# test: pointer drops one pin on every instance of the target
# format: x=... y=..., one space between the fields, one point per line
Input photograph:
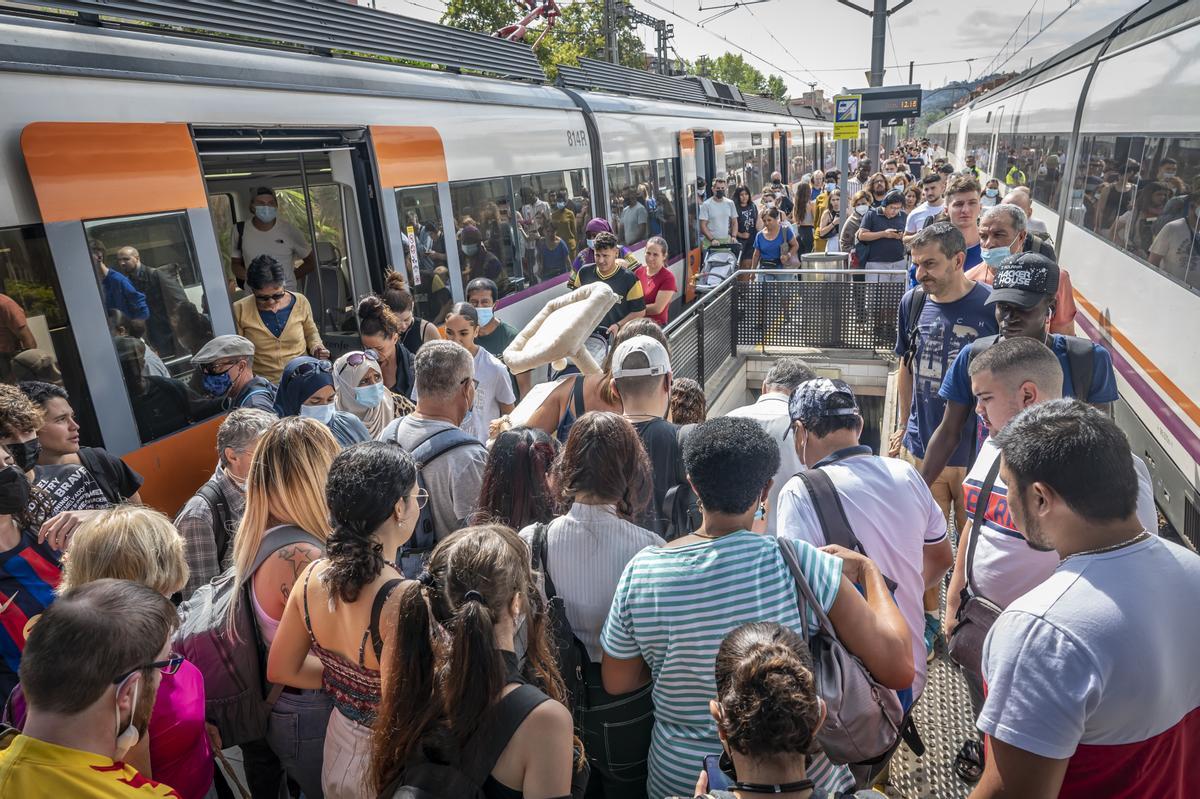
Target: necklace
x=788 y=787
x=1142 y=536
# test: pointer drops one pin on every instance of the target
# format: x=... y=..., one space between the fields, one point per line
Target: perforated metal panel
x=817 y=313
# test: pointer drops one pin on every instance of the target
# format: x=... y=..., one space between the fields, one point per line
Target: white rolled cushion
x=560 y=329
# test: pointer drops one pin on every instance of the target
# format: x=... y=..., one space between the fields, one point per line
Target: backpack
x=681 y=506
x=236 y=696
x=571 y=654
x=423 y=778
x=915 y=304
x=222 y=516
x=414 y=554
x=1080 y=359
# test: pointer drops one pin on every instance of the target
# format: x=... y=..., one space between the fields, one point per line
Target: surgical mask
x=560 y=205
x=322 y=413
x=862 y=208
x=994 y=256
x=26 y=453
x=591 y=244
x=217 y=385
x=830 y=186
x=719 y=193
x=471 y=249
x=14 y=490
x=370 y=395
x=992 y=192
x=889 y=174
x=485 y=316
x=1168 y=173
x=127 y=738
x=266 y=213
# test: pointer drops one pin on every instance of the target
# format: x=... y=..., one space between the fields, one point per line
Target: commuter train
x=118 y=136
x=1107 y=136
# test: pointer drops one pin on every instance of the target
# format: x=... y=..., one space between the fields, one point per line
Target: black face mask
x=720 y=193
x=26 y=454
x=14 y=490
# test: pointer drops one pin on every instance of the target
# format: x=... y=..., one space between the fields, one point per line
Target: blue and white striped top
x=674 y=605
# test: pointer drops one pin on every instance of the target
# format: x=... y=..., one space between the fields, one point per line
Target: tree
x=777 y=89
x=733 y=68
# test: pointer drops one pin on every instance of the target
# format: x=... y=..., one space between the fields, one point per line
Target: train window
x=749 y=167
x=36 y=340
x=220 y=208
x=148 y=278
x=487 y=234
x=664 y=217
x=421 y=223
x=560 y=201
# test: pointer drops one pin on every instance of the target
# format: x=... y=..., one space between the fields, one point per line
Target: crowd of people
x=384 y=589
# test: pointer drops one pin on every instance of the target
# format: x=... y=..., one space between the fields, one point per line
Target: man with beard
x=90 y=673
x=1013 y=374
x=1091 y=684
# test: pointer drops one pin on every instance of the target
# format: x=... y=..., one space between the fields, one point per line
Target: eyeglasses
x=463 y=382
x=356 y=359
x=309 y=367
x=421 y=496
x=264 y=299
x=168 y=666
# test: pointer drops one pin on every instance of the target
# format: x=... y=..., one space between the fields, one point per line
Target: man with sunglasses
x=226 y=365
x=90 y=672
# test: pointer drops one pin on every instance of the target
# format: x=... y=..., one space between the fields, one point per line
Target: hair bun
x=395 y=281
x=370 y=307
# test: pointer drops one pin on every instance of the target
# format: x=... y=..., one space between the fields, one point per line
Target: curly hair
x=365 y=483
x=688 y=403
x=18 y=415
x=730 y=460
x=767 y=691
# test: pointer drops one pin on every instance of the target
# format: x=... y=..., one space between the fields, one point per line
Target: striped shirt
x=673 y=607
x=587 y=551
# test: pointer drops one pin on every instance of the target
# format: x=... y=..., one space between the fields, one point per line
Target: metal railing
x=778 y=309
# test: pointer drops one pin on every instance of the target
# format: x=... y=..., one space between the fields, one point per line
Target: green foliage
x=777 y=89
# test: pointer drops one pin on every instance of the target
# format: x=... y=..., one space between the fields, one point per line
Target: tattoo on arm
x=298 y=556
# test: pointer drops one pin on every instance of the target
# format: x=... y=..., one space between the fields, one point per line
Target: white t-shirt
x=282 y=242
x=1098 y=664
x=771 y=413
x=1005 y=567
x=894 y=517
x=1174 y=244
x=495 y=387
x=916 y=220
x=719 y=214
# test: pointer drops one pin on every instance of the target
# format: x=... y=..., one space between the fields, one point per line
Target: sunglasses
x=263 y=299
x=422 y=498
x=357 y=358
x=311 y=367
x=168 y=666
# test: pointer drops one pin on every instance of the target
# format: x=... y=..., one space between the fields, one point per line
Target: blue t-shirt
x=957 y=384
x=974 y=256
x=883 y=250
x=554 y=259
x=943 y=330
x=772 y=249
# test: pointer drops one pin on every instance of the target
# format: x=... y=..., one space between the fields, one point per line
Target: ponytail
x=475 y=675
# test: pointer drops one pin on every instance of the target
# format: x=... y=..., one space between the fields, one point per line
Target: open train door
x=109 y=193
x=415 y=205
x=698 y=165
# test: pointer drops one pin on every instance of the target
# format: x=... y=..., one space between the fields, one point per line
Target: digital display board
x=890 y=103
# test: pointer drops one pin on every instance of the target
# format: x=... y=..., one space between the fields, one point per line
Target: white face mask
x=862 y=209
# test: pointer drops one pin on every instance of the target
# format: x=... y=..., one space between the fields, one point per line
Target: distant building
x=812 y=99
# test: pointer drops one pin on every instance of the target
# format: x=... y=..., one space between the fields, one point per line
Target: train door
x=698 y=166
x=330 y=232
x=992 y=162
x=126 y=220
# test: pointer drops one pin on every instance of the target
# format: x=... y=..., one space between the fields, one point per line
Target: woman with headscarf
x=360 y=390
x=587 y=255
x=306 y=389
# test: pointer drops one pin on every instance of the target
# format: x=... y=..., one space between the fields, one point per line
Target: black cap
x=1024 y=280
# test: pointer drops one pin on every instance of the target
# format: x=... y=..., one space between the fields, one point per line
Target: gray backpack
x=864 y=719
x=237 y=699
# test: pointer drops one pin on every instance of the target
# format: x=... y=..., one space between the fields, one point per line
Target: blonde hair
x=286 y=485
x=126 y=542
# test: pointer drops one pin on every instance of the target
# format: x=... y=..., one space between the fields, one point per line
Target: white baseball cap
x=656 y=356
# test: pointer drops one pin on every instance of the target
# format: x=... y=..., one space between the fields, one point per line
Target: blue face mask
x=471 y=249
x=830 y=186
x=591 y=244
x=994 y=256
x=485 y=316
x=370 y=395
x=560 y=205
x=322 y=413
x=266 y=213
x=217 y=385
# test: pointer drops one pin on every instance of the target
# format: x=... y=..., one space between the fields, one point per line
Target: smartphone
x=717 y=780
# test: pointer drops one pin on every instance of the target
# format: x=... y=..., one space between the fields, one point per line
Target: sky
x=824 y=42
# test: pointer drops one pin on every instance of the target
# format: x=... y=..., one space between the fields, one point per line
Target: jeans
x=296 y=733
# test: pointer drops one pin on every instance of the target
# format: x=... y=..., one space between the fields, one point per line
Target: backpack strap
x=832 y=514
x=1082 y=360
x=439 y=443
x=540 y=549
x=499 y=724
x=979 y=346
x=577 y=396
x=221 y=514
x=916 y=304
x=804 y=595
x=279 y=537
x=381 y=598
x=981 y=504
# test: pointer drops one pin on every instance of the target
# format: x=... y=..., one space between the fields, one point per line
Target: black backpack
x=681 y=506
x=915 y=303
x=424 y=778
x=571 y=654
x=1080 y=359
x=222 y=517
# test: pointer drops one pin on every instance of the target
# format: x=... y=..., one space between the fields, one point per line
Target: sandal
x=968 y=763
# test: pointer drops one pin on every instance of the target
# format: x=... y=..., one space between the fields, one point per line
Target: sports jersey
x=625 y=285
x=29 y=573
x=30 y=768
x=1097 y=665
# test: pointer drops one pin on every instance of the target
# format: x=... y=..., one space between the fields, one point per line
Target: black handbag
x=976 y=613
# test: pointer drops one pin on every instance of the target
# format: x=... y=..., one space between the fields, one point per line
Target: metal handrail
x=725 y=284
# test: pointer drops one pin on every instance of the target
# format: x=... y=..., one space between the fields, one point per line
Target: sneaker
x=933 y=631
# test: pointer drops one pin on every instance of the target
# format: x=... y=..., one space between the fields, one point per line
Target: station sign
x=847 y=116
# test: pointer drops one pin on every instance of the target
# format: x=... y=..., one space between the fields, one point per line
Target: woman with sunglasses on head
x=331 y=636
x=360 y=390
x=284 y=527
x=278 y=322
x=307 y=389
